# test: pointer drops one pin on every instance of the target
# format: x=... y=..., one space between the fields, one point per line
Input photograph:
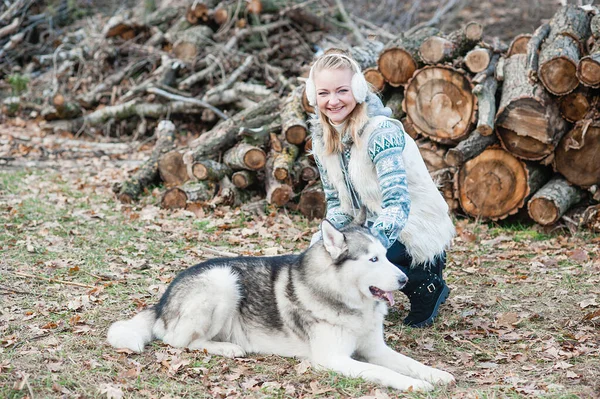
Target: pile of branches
x=504 y=128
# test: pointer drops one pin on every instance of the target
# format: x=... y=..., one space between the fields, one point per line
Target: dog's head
x=359 y=262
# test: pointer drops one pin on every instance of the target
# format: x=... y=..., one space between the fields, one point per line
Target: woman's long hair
x=357 y=118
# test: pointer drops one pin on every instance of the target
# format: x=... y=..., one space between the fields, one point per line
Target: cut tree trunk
x=244 y=156
x=486 y=98
x=588 y=69
x=283 y=162
x=199 y=11
x=550 y=202
x=577 y=104
x=243 y=178
x=366 y=57
x=172 y=169
x=558 y=65
x=528 y=121
x=469 y=148
x=561 y=50
x=495 y=184
x=518 y=45
x=178 y=197
x=577 y=156
x=190 y=43
x=208 y=169
x=278 y=193
x=226 y=133
x=312 y=202
x=375 y=78
x=440 y=104
x=478 y=59
x=439 y=49
x=307 y=170
x=433 y=154
x=130 y=190
x=400 y=58
x=293 y=118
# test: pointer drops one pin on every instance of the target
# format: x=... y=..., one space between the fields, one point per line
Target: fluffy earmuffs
x=359 y=85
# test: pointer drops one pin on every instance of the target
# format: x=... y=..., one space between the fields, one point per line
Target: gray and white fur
x=326 y=304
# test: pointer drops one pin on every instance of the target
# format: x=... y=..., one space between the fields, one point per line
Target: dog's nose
x=402 y=280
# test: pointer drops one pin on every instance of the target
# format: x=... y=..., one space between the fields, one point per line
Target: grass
x=106 y=260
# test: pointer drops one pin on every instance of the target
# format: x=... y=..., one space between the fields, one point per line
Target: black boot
x=426 y=290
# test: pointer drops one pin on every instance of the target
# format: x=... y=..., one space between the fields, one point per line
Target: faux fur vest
x=429 y=228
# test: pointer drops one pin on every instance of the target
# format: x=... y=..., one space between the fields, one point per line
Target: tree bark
x=485 y=92
x=474 y=145
x=208 y=169
x=245 y=156
x=528 y=121
x=130 y=190
x=495 y=184
x=439 y=102
x=400 y=58
x=576 y=156
x=439 y=49
x=550 y=202
x=395 y=104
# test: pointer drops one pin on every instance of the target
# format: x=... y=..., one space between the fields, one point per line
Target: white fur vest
x=429 y=228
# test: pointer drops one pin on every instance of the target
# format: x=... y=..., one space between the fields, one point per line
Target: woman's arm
x=335 y=214
x=385 y=147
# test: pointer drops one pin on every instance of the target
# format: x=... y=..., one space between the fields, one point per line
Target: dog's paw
x=441 y=377
x=226 y=349
x=420 y=386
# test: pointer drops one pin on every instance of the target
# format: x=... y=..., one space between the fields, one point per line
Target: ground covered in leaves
x=522 y=319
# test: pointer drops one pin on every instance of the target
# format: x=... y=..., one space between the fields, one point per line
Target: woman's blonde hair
x=357 y=118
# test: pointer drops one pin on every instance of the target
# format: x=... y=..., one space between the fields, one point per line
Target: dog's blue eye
x=374 y=259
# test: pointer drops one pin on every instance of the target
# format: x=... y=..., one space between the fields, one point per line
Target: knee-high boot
x=426 y=289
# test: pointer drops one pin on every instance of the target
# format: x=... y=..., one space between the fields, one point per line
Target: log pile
x=502 y=127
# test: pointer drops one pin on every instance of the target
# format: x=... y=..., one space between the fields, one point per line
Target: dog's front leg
x=374 y=350
x=331 y=349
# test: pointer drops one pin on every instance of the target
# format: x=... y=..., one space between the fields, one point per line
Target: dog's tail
x=134 y=333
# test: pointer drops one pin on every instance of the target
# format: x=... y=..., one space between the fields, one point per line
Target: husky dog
x=326 y=304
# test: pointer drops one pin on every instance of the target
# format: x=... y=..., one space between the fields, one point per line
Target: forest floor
x=522 y=319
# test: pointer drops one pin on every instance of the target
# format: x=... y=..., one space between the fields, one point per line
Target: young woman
x=367 y=160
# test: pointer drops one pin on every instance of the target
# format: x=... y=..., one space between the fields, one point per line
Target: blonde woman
x=366 y=160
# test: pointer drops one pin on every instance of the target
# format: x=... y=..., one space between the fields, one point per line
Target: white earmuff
x=359 y=85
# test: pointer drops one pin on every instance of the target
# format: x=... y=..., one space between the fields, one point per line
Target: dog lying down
x=326 y=304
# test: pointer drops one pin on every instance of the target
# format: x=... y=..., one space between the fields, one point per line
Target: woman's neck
x=339 y=127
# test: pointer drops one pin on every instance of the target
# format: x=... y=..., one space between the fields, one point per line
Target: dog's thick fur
x=326 y=304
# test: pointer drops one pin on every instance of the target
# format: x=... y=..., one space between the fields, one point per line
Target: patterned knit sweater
x=385 y=146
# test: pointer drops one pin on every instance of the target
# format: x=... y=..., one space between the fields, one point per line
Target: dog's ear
x=333 y=239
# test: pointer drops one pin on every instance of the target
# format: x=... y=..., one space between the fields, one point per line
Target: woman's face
x=334 y=93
